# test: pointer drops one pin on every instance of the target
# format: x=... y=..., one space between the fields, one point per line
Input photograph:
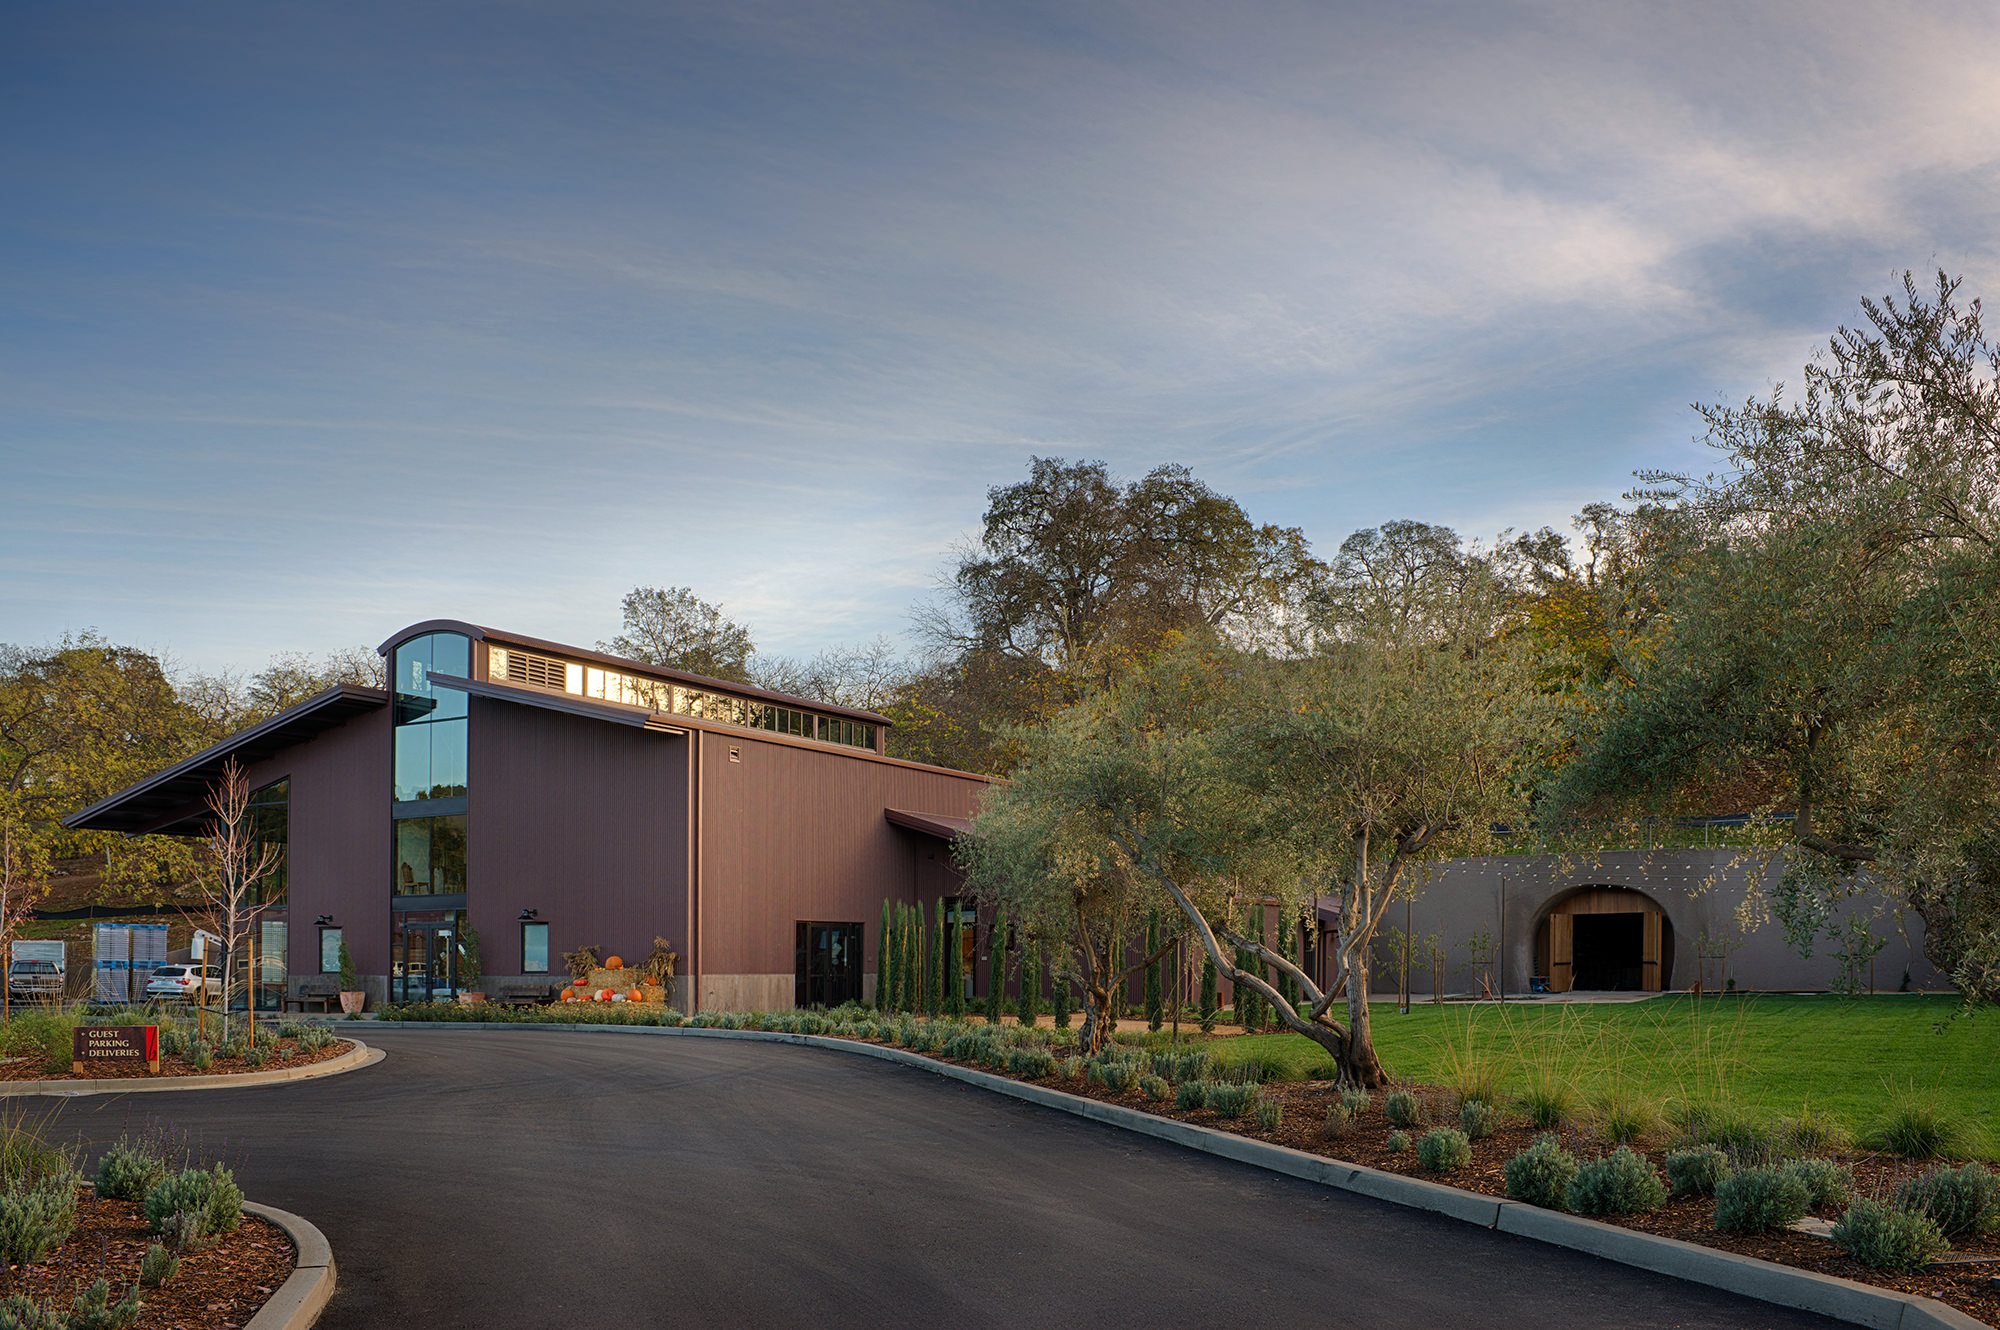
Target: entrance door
x=425 y=974
x=828 y=967
x=1562 y=952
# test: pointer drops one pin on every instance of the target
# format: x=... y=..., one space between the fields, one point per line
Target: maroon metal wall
x=338 y=854
x=791 y=832
x=583 y=821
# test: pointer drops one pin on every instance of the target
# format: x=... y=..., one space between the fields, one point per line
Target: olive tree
x=1830 y=646
x=1218 y=782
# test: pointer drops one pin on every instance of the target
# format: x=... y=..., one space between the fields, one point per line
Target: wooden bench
x=524 y=995
x=314 y=994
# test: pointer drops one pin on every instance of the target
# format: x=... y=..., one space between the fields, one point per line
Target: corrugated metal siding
x=582 y=821
x=339 y=848
x=791 y=833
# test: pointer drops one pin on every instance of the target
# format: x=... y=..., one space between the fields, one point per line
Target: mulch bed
x=32 y=1067
x=223 y=1285
x=1972 y=1286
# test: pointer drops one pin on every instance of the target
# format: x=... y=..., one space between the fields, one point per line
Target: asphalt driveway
x=540 y=1179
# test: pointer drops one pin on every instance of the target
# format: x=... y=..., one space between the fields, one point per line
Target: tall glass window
x=430 y=720
x=427 y=889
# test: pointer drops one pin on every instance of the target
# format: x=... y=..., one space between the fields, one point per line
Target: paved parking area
x=540 y=1179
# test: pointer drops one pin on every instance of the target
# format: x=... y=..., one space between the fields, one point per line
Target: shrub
x=1398 y=1142
x=18 y=1311
x=266 y=1038
x=1541 y=1174
x=1882 y=1237
x=1760 y=1200
x=158 y=1266
x=1034 y=1063
x=231 y=1048
x=1917 y=1126
x=1444 y=1148
x=319 y=1037
x=1153 y=1087
x=1117 y=1077
x=1620 y=1183
x=1338 y=1122
x=1826 y=1183
x=1960 y=1201
x=1191 y=1094
x=1697 y=1170
x=94 y=1309
x=1072 y=1068
x=173 y=1041
x=1728 y=1128
x=1477 y=1118
x=127 y=1172
x=253 y=1057
x=1403 y=1110
x=36 y=1216
x=1356 y=1102
x=1231 y=1099
x=1626 y=1118
x=1269 y=1113
x=209 y=1198
x=200 y=1057
x=1813 y=1133
x=291 y=1029
x=1549 y=1104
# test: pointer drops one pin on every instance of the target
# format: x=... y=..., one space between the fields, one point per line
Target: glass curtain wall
x=427 y=887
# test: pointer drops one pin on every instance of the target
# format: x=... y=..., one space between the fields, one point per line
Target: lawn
x=1767 y=1054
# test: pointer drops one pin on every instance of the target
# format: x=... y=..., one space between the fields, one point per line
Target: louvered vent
x=537 y=671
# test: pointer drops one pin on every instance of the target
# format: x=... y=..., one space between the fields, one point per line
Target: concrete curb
x=353 y=1059
x=303 y=1296
x=1766 y=1281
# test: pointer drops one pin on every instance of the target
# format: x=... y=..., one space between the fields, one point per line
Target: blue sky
x=320 y=319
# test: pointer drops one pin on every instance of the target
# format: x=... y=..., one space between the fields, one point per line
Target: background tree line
x=1807 y=633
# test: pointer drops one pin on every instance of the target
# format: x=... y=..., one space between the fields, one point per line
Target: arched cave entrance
x=1605 y=939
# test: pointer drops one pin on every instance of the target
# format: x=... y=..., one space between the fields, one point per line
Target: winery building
x=551 y=797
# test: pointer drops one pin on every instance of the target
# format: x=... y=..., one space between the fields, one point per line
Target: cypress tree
x=1156 y=1009
x=1029 y=1004
x=1211 y=996
x=996 y=970
x=919 y=999
x=1062 y=1001
x=954 y=989
x=885 y=963
x=1246 y=999
x=935 y=1006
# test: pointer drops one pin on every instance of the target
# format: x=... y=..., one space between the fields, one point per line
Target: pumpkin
x=577 y=982
x=635 y=996
x=604 y=995
x=614 y=964
x=569 y=995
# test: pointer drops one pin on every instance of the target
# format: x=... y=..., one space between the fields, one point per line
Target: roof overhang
x=171 y=801
x=939 y=825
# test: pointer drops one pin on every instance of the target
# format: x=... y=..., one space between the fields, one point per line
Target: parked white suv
x=184 y=981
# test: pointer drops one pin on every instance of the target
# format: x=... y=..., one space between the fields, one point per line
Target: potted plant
x=352 y=997
x=468 y=968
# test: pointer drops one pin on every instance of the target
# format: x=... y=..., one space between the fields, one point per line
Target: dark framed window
x=430 y=856
x=329 y=950
x=828 y=965
x=534 y=948
x=270 y=815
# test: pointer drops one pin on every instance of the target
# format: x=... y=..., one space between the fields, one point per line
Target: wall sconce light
x=323 y=921
x=526 y=915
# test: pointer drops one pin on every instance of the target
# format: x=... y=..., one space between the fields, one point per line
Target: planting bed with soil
x=222 y=1285
x=287 y=1052
x=1968 y=1278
